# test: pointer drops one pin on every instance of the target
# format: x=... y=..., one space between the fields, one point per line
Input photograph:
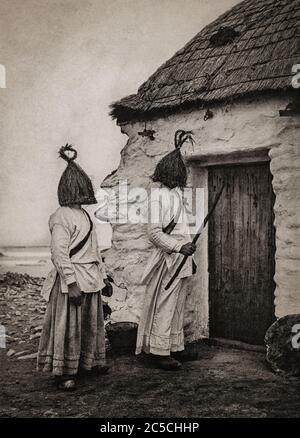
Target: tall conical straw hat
x=171 y=170
x=75 y=187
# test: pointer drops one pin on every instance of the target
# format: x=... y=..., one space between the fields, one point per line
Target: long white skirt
x=72 y=337
x=160 y=328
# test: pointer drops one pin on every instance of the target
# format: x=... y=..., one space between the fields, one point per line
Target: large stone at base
x=282 y=342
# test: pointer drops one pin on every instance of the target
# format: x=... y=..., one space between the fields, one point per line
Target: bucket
x=122 y=337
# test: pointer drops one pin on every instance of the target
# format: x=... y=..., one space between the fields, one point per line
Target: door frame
x=198 y=177
x=230 y=159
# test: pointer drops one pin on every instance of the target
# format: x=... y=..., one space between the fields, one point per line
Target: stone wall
x=241 y=127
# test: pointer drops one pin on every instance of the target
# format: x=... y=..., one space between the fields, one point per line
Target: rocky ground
x=222 y=383
x=21 y=313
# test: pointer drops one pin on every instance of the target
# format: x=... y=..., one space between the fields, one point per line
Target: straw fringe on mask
x=75 y=187
x=171 y=170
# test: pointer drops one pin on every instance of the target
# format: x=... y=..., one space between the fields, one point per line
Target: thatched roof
x=249 y=49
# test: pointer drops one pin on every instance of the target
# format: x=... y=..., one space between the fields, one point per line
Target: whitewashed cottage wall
x=242 y=126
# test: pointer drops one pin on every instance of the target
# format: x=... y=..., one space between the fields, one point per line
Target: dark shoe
x=166 y=363
x=185 y=356
x=65 y=383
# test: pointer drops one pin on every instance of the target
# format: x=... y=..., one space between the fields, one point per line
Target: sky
x=66 y=61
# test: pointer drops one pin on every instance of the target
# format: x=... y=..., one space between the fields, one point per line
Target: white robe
x=161 y=324
x=68 y=226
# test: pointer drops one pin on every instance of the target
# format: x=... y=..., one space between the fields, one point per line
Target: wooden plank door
x=241 y=253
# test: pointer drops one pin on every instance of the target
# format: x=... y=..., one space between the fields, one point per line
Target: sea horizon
x=34 y=260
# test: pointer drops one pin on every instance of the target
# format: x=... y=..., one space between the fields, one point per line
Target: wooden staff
x=196 y=237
